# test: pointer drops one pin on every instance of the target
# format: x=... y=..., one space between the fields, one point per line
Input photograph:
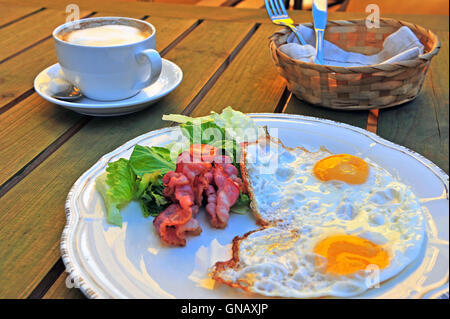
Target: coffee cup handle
x=153 y=57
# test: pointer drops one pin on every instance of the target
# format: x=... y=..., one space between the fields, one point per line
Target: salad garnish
x=140 y=178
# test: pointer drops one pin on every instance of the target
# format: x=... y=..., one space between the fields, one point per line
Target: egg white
x=288 y=196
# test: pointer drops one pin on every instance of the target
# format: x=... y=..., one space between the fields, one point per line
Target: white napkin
x=399 y=46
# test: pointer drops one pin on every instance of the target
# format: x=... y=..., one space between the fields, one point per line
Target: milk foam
x=106 y=35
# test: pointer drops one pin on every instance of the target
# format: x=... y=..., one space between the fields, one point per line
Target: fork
x=277 y=13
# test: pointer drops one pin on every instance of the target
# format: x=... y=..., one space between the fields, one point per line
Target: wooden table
x=225 y=58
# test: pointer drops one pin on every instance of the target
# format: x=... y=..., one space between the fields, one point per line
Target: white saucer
x=170 y=78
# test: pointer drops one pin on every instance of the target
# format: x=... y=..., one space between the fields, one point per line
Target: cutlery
x=319 y=11
x=70 y=94
x=277 y=13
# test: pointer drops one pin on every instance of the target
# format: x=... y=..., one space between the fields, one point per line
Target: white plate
x=170 y=78
x=129 y=262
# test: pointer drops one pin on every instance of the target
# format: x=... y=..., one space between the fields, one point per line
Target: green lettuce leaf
x=238 y=126
x=117 y=187
x=242 y=205
x=150 y=194
x=225 y=130
x=147 y=160
x=148 y=179
x=179 y=118
x=153 y=202
x=139 y=178
x=204 y=133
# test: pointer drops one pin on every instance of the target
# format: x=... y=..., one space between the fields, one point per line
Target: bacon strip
x=191 y=166
x=201 y=184
x=174 y=222
x=213 y=176
x=231 y=171
x=211 y=194
x=226 y=196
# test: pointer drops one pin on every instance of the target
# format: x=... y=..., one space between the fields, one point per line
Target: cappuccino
x=105 y=35
x=108 y=58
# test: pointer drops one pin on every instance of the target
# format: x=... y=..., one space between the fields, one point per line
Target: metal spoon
x=71 y=94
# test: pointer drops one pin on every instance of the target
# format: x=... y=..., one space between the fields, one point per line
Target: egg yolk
x=342 y=167
x=347 y=254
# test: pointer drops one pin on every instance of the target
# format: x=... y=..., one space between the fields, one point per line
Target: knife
x=319 y=11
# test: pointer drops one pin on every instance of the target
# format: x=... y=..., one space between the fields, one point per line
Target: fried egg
x=334 y=224
x=342 y=167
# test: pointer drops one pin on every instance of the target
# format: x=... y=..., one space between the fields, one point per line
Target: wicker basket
x=357 y=88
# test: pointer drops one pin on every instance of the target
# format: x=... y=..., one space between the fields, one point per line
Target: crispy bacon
x=192 y=227
x=178 y=189
x=210 y=207
x=191 y=166
x=178 y=219
x=171 y=180
x=174 y=222
x=201 y=184
x=231 y=171
x=199 y=172
x=203 y=152
x=227 y=194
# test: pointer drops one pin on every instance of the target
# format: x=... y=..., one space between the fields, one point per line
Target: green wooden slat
x=30 y=228
x=356 y=118
x=250 y=83
x=422 y=125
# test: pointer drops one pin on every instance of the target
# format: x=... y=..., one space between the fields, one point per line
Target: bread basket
x=361 y=87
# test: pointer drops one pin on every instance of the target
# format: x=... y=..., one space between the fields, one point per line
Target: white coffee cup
x=109 y=72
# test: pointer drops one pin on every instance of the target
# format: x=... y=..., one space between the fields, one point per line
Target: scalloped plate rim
x=72 y=218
